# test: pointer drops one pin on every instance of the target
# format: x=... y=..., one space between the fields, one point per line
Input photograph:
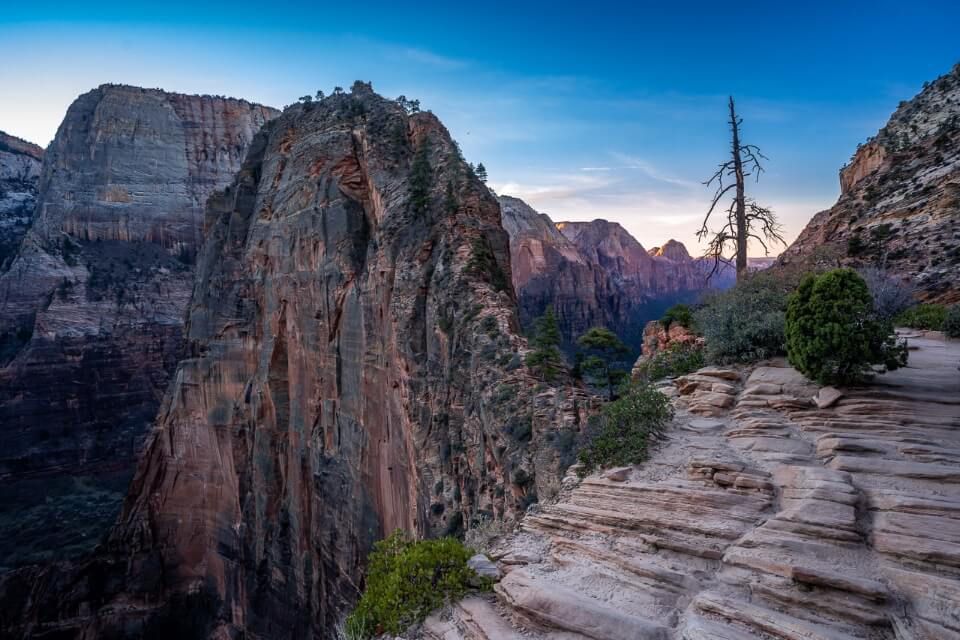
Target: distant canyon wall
x=92 y=303
x=596 y=274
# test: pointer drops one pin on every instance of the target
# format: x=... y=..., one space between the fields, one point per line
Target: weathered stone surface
x=19 y=178
x=484 y=567
x=900 y=197
x=796 y=522
x=827 y=397
x=92 y=306
x=596 y=274
x=350 y=373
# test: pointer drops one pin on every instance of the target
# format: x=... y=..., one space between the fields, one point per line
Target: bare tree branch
x=746 y=219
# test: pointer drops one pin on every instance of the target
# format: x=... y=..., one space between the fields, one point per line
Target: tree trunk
x=741 y=205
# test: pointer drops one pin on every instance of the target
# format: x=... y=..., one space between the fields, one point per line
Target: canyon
x=238 y=346
x=353 y=366
x=597 y=274
x=92 y=300
x=899 y=207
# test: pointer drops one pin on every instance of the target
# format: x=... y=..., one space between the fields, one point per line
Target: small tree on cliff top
x=545 y=360
x=745 y=218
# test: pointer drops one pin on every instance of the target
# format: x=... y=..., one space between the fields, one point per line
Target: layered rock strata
x=92 y=305
x=19 y=177
x=597 y=274
x=899 y=206
x=354 y=367
x=763 y=515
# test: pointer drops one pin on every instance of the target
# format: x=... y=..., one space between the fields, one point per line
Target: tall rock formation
x=596 y=274
x=354 y=367
x=899 y=205
x=92 y=306
x=19 y=175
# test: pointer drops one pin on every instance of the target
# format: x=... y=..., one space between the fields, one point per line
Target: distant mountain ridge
x=597 y=274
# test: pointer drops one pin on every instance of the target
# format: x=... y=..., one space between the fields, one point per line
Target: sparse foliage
x=421 y=178
x=481 y=172
x=928 y=317
x=625 y=429
x=408 y=579
x=833 y=334
x=680 y=314
x=746 y=323
x=891 y=294
x=745 y=219
x=604 y=363
x=951 y=324
x=545 y=360
x=676 y=360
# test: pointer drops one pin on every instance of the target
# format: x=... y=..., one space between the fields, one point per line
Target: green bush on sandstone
x=923 y=316
x=406 y=580
x=834 y=335
x=625 y=428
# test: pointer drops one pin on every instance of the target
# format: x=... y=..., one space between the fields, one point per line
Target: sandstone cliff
x=92 y=306
x=19 y=176
x=354 y=367
x=596 y=274
x=900 y=198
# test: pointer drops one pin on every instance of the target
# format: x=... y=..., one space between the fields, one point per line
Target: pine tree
x=421 y=177
x=604 y=362
x=481 y=172
x=545 y=360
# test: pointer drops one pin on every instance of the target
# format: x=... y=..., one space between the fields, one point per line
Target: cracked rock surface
x=770 y=518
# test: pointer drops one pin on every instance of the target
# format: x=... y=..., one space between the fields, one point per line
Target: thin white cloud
x=423 y=56
x=652 y=172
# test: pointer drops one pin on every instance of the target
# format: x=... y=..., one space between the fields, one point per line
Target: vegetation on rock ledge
x=833 y=334
x=625 y=428
x=408 y=579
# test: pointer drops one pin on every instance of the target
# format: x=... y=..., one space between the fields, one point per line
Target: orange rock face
x=354 y=367
x=597 y=274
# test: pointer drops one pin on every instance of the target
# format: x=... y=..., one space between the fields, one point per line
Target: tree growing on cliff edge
x=545 y=359
x=745 y=219
x=604 y=365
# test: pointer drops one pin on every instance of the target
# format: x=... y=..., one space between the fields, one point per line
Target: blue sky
x=585 y=110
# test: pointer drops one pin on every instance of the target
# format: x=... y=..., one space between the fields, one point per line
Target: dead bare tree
x=745 y=218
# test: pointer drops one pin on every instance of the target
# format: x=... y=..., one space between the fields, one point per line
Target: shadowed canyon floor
x=761 y=516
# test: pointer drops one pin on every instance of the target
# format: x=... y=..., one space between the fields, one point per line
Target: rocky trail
x=761 y=516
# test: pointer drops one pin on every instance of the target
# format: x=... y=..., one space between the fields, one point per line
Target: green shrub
x=677 y=360
x=951 y=324
x=745 y=323
x=833 y=334
x=923 y=316
x=625 y=428
x=679 y=313
x=408 y=579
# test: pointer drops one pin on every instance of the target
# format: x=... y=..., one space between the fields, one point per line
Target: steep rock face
x=596 y=274
x=354 y=367
x=92 y=306
x=900 y=198
x=19 y=176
